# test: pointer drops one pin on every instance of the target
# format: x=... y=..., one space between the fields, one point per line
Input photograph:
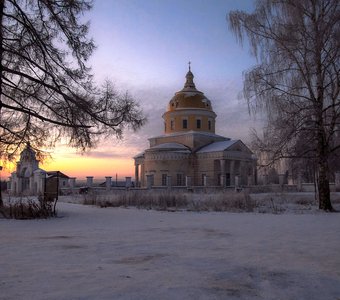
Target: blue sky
x=149 y=42
x=144 y=46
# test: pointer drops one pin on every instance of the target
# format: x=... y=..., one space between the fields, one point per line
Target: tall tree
x=46 y=88
x=297 y=79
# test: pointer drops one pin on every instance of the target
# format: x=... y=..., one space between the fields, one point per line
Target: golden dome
x=189 y=96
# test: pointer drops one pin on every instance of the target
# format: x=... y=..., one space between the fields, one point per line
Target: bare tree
x=297 y=79
x=46 y=88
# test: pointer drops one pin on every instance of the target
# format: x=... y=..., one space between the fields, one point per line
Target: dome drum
x=189 y=110
x=200 y=121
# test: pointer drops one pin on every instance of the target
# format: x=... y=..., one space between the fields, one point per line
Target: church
x=189 y=153
x=29 y=179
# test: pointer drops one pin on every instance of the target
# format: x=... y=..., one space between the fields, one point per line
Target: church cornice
x=190 y=111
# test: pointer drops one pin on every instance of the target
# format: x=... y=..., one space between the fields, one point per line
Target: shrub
x=28 y=209
x=172 y=200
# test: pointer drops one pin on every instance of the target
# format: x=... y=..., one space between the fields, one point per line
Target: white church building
x=29 y=179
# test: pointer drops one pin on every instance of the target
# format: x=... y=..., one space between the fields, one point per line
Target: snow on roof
x=139 y=154
x=56 y=174
x=191 y=132
x=170 y=146
x=217 y=146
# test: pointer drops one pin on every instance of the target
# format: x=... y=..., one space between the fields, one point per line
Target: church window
x=198 y=123
x=172 y=124
x=180 y=180
x=209 y=124
x=185 y=124
x=164 y=126
x=164 y=177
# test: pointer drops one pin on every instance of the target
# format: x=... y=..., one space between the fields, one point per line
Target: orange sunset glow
x=83 y=166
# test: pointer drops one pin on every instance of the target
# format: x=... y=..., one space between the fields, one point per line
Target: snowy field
x=116 y=253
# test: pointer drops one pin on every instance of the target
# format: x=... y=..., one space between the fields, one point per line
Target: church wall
x=169 y=167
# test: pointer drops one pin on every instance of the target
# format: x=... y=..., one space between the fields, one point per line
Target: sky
x=144 y=46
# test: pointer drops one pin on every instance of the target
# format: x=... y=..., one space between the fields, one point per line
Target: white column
x=142 y=176
x=108 y=182
x=205 y=180
x=89 y=181
x=188 y=181
x=168 y=181
x=237 y=181
x=223 y=178
x=232 y=172
x=136 y=175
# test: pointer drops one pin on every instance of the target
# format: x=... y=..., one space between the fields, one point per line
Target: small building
x=189 y=153
x=29 y=179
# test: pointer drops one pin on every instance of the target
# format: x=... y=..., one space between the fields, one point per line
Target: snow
x=116 y=253
x=173 y=146
x=191 y=132
x=217 y=146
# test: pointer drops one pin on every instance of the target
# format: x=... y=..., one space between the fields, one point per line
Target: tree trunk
x=324 y=192
x=323 y=170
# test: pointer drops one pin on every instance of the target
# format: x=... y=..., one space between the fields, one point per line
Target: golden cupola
x=189 y=110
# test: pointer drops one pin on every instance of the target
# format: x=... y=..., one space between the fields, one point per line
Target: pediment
x=239 y=146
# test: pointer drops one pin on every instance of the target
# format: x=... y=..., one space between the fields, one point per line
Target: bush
x=28 y=209
x=172 y=200
x=224 y=201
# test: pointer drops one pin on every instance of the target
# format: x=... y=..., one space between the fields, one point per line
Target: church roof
x=139 y=155
x=56 y=174
x=191 y=132
x=170 y=147
x=217 y=146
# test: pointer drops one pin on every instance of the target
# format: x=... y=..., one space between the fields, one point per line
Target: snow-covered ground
x=116 y=253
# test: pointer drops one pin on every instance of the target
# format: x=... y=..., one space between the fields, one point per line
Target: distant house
x=29 y=179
